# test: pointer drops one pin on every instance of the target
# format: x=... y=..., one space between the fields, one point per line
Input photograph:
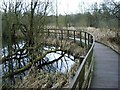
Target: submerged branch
x=34 y=61
x=50 y=62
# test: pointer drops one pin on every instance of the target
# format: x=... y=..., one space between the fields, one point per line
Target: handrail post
x=74 y=36
x=88 y=40
x=85 y=39
x=80 y=38
x=91 y=39
x=81 y=79
x=61 y=34
x=48 y=32
x=61 y=37
x=68 y=34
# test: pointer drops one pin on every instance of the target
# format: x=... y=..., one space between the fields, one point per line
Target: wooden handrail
x=81 y=80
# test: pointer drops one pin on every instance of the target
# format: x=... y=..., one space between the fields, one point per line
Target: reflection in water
x=21 y=58
x=62 y=65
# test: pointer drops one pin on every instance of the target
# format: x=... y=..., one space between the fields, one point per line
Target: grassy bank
x=105 y=36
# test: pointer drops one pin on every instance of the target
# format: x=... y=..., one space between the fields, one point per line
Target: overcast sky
x=70 y=6
x=74 y=6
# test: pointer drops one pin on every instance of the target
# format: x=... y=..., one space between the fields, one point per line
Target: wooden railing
x=83 y=76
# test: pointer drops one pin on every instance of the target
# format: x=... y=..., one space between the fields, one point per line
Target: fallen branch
x=47 y=63
x=34 y=61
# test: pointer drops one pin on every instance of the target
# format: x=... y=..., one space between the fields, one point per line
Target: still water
x=63 y=65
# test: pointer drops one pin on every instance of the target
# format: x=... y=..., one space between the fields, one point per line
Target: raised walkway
x=105 y=73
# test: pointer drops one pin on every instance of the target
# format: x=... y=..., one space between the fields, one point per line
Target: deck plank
x=106 y=67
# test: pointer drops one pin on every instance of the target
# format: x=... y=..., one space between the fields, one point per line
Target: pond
x=17 y=61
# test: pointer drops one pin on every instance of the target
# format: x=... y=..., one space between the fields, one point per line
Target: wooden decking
x=105 y=73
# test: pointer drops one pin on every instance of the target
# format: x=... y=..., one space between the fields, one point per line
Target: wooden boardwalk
x=105 y=73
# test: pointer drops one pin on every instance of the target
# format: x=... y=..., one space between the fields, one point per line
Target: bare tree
x=114 y=9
